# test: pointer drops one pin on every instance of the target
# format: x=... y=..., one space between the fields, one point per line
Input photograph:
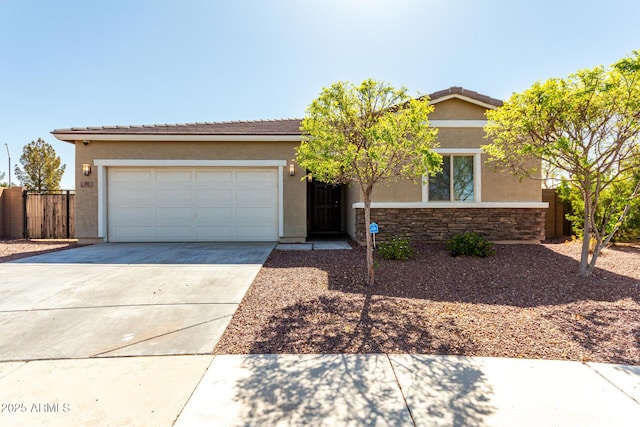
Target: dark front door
x=324 y=207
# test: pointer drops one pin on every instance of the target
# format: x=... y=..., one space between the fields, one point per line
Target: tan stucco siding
x=403 y=190
x=496 y=186
x=295 y=202
x=406 y=190
x=187 y=150
x=351 y=195
x=294 y=191
x=86 y=193
x=501 y=186
x=461 y=137
x=457 y=109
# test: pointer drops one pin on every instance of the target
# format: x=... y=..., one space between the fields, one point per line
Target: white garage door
x=192 y=204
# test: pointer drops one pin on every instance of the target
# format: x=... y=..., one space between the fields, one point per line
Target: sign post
x=373 y=229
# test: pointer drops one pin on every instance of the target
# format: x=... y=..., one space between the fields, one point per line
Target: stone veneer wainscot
x=437 y=224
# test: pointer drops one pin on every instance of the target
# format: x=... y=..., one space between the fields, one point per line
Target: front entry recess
x=324 y=207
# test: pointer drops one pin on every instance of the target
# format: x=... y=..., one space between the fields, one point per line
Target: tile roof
x=247 y=127
x=457 y=90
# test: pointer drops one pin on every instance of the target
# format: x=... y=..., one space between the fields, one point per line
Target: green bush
x=611 y=201
x=395 y=248
x=470 y=244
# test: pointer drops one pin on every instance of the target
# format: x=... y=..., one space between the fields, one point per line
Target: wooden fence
x=556 y=224
x=49 y=216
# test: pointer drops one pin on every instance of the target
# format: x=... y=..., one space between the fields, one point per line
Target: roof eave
x=463 y=98
x=72 y=137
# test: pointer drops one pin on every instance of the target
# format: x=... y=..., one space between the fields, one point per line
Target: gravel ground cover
x=19 y=248
x=527 y=301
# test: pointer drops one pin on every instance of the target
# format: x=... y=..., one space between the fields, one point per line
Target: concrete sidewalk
x=315 y=245
x=343 y=390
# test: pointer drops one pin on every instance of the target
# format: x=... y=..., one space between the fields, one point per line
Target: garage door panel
x=133 y=213
x=172 y=232
x=192 y=204
x=132 y=196
x=173 y=177
x=133 y=177
x=264 y=216
x=215 y=233
x=173 y=212
x=214 y=196
x=248 y=234
x=214 y=177
x=256 y=196
x=211 y=215
x=253 y=177
x=181 y=212
x=174 y=196
x=133 y=233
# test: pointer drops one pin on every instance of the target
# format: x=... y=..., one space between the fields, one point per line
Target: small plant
x=396 y=248
x=470 y=244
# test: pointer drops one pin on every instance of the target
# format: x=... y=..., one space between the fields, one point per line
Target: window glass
x=455 y=182
x=440 y=185
x=463 y=178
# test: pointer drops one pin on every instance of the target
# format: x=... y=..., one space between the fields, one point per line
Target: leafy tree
x=587 y=126
x=367 y=134
x=552 y=177
x=3 y=184
x=612 y=199
x=42 y=171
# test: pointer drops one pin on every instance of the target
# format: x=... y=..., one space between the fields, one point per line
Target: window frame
x=476 y=153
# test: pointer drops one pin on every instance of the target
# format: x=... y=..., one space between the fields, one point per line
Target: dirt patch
x=527 y=301
x=19 y=248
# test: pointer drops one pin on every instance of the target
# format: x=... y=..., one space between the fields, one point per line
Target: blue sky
x=89 y=63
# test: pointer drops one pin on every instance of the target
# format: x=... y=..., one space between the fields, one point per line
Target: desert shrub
x=395 y=248
x=470 y=244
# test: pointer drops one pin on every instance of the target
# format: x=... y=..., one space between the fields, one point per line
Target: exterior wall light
x=292 y=169
x=86 y=169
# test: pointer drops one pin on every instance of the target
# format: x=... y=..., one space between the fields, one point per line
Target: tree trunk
x=367 y=221
x=586 y=237
x=594 y=257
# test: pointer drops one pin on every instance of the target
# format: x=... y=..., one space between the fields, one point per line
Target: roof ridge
x=236 y=121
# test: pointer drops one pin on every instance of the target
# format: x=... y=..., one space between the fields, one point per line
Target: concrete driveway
x=123 y=299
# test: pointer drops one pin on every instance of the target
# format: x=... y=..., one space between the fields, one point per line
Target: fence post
x=25 y=224
x=68 y=228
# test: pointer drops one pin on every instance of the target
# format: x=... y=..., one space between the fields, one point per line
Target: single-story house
x=238 y=181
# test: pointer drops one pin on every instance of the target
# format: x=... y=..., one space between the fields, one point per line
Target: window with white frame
x=459 y=180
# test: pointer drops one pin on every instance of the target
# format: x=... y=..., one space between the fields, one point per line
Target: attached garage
x=210 y=182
